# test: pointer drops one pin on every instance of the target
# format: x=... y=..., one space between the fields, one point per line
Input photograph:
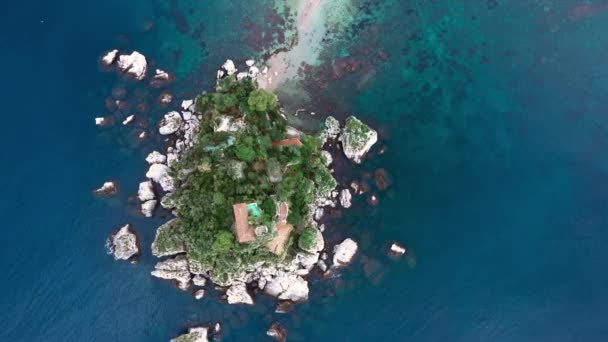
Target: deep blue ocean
x=494 y=116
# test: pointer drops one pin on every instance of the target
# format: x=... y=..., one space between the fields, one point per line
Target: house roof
x=287 y=142
x=244 y=232
x=277 y=245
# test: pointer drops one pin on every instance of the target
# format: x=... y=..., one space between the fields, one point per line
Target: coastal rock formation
x=195 y=334
x=344 y=253
x=229 y=67
x=128 y=120
x=288 y=287
x=332 y=128
x=186 y=104
x=199 y=294
x=168 y=241
x=156 y=158
x=357 y=138
x=328 y=158
x=199 y=280
x=160 y=174
x=170 y=123
x=237 y=294
x=109 y=57
x=146 y=191
x=134 y=64
x=147 y=208
x=277 y=332
x=345 y=198
x=397 y=250
x=124 y=243
x=107 y=189
x=174 y=269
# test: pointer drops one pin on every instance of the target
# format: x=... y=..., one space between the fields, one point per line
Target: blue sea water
x=493 y=114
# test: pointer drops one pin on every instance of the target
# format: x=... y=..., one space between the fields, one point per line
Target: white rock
x=253 y=72
x=142 y=135
x=397 y=249
x=322 y=265
x=128 y=120
x=146 y=191
x=195 y=334
x=102 y=121
x=156 y=157
x=107 y=189
x=357 y=138
x=124 y=243
x=147 y=208
x=186 y=104
x=241 y=75
x=157 y=172
x=174 y=269
x=161 y=75
x=327 y=157
x=229 y=67
x=199 y=280
x=199 y=294
x=344 y=252
x=288 y=287
x=237 y=294
x=250 y=62
x=220 y=74
x=134 y=64
x=345 y=198
x=170 y=123
x=109 y=57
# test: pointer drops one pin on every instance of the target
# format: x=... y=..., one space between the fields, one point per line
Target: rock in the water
x=156 y=158
x=128 y=120
x=165 y=98
x=199 y=280
x=174 y=269
x=344 y=252
x=161 y=75
x=288 y=287
x=168 y=240
x=332 y=127
x=170 y=123
x=124 y=243
x=249 y=62
x=327 y=157
x=147 y=207
x=397 y=250
x=146 y=191
x=160 y=174
x=104 y=121
x=237 y=294
x=199 y=294
x=277 y=332
x=195 y=334
x=357 y=138
x=134 y=64
x=107 y=189
x=253 y=72
x=345 y=198
x=186 y=104
x=229 y=67
x=109 y=57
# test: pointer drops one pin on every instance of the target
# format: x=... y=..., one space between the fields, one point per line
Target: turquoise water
x=493 y=118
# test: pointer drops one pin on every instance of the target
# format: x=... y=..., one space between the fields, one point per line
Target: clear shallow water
x=494 y=119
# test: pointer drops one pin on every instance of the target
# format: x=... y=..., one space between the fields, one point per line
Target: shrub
x=308 y=240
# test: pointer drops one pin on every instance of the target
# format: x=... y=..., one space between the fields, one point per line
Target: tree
x=223 y=241
x=245 y=153
x=263 y=101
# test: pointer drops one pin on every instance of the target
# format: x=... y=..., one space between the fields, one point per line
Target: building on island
x=243 y=231
x=287 y=142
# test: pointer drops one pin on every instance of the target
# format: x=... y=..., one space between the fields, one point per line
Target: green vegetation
x=356 y=132
x=215 y=173
x=308 y=240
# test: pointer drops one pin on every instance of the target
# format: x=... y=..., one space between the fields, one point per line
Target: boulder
x=277 y=332
x=199 y=280
x=128 y=120
x=107 y=189
x=170 y=123
x=104 y=121
x=146 y=191
x=195 y=334
x=253 y=72
x=156 y=158
x=161 y=75
x=168 y=240
x=186 y=104
x=242 y=75
x=160 y=174
x=397 y=250
x=357 y=138
x=332 y=128
x=344 y=253
x=147 y=208
x=237 y=294
x=109 y=57
x=345 y=198
x=124 y=243
x=288 y=287
x=199 y=294
x=134 y=64
x=229 y=67
x=174 y=269
x=249 y=62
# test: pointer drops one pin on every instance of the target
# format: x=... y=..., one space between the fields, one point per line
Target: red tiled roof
x=287 y=142
x=244 y=232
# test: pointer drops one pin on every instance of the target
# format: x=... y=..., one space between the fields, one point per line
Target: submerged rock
x=107 y=189
x=345 y=198
x=277 y=332
x=357 y=138
x=124 y=243
x=237 y=294
x=344 y=253
x=170 y=123
x=288 y=287
x=174 y=269
x=195 y=334
x=134 y=64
